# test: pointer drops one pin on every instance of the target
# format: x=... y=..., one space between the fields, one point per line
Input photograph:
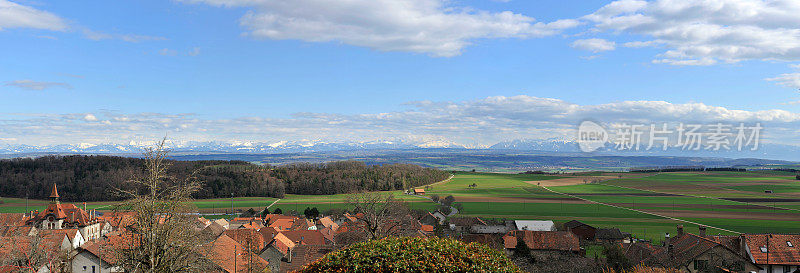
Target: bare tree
x=383 y=215
x=30 y=253
x=162 y=237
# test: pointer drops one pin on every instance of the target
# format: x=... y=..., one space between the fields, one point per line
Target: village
x=72 y=239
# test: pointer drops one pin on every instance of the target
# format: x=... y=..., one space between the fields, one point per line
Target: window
x=92 y=269
x=787 y=268
x=700 y=264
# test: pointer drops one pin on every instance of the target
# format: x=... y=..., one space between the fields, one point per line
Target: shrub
x=797 y=177
x=409 y=254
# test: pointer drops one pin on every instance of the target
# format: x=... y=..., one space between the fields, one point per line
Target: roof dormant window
x=789 y=244
x=764 y=249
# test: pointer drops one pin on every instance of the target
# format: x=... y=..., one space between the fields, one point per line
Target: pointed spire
x=54 y=194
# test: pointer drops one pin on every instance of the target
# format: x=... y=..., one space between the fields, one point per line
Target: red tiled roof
x=249 y=238
x=6 y=231
x=267 y=233
x=305 y=237
x=303 y=255
x=778 y=250
x=327 y=222
x=543 y=240
x=13 y=219
x=232 y=257
x=71 y=214
x=105 y=247
x=119 y=219
x=283 y=243
x=426 y=228
x=282 y=224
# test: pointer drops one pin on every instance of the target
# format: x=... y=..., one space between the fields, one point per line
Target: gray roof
x=535 y=225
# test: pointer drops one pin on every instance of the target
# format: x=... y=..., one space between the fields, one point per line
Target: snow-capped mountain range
x=766 y=151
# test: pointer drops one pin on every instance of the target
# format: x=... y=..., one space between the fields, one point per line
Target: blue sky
x=269 y=70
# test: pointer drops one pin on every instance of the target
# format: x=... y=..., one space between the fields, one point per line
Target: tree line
x=93 y=178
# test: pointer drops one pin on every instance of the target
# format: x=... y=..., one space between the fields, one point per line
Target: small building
x=535 y=225
x=463 y=224
x=612 y=235
x=582 y=230
x=419 y=191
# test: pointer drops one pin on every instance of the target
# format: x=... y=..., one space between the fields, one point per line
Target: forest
x=96 y=178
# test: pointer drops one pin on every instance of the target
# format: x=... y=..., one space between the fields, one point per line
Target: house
x=223 y=223
x=303 y=255
x=534 y=225
x=66 y=239
x=612 y=235
x=278 y=250
x=692 y=253
x=327 y=222
x=251 y=239
x=583 y=231
x=305 y=237
x=429 y=219
x=489 y=229
x=213 y=230
x=464 y=224
x=419 y=191
x=67 y=216
x=231 y=257
x=20 y=245
x=92 y=259
x=543 y=240
x=777 y=253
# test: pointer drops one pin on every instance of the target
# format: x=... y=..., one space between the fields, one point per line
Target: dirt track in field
x=519 y=200
x=694 y=206
x=727 y=215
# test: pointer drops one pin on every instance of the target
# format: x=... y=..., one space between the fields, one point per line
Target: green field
x=645 y=206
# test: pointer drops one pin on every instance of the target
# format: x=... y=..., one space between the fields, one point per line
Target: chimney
x=680 y=230
x=702 y=231
x=84 y=206
x=666 y=238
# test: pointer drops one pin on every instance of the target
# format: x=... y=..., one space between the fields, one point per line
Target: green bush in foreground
x=414 y=255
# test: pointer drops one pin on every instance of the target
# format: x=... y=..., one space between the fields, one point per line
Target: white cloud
x=788 y=79
x=699 y=32
x=13 y=15
x=423 y=26
x=640 y=44
x=131 y=38
x=476 y=123
x=594 y=45
x=37 y=85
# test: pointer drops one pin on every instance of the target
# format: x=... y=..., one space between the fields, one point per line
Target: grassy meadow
x=646 y=205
